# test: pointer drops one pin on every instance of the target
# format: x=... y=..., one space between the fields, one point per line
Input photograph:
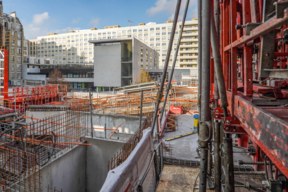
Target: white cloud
x=75 y=21
x=94 y=22
x=162 y=5
x=40 y=18
x=169 y=6
x=41 y=26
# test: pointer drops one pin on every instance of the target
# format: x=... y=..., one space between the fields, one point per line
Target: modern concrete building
x=73 y=47
x=36 y=72
x=12 y=39
x=119 y=62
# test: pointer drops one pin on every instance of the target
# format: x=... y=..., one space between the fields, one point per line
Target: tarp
x=126 y=176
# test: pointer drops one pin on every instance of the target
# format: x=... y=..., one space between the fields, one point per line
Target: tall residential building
x=12 y=39
x=32 y=47
x=73 y=47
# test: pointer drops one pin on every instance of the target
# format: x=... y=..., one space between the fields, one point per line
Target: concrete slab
x=178 y=179
x=185 y=148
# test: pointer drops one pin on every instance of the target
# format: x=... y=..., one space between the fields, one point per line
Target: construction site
x=223 y=130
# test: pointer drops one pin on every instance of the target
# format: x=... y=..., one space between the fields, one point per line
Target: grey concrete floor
x=185 y=147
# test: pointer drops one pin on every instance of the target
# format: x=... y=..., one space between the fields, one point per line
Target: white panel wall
x=107 y=69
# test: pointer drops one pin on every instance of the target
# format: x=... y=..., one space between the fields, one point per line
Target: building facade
x=73 y=47
x=12 y=39
x=32 y=47
x=118 y=62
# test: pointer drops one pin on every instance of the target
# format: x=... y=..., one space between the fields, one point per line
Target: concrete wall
x=66 y=173
x=97 y=159
x=83 y=169
x=26 y=76
x=41 y=114
x=130 y=125
x=107 y=69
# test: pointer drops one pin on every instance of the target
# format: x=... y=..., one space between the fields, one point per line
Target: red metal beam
x=269 y=132
x=266 y=27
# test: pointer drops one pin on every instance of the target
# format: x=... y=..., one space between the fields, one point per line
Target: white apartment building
x=73 y=47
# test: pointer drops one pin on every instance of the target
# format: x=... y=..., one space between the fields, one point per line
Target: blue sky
x=40 y=17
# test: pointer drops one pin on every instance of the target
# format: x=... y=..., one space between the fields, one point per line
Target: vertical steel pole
x=199 y=55
x=217 y=157
x=175 y=59
x=141 y=105
x=160 y=91
x=228 y=163
x=90 y=98
x=105 y=130
x=205 y=117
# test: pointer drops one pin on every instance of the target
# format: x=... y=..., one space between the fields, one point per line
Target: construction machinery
x=243 y=93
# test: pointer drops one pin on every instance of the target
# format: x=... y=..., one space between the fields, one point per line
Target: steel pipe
x=218 y=66
x=175 y=59
x=199 y=55
x=160 y=91
x=205 y=115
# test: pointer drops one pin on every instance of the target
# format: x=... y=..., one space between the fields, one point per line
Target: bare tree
x=55 y=77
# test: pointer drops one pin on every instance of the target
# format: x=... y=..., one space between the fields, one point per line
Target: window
x=157 y=44
x=158 y=28
x=157 y=39
x=134 y=30
x=151 y=29
x=140 y=30
x=18 y=75
x=163 y=33
x=146 y=35
x=18 y=67
x=152 y=44
x=163 y=44
x=163 y=28
x=19 y=35
x=152 y=39
x=19 y=59
x=12 y=76
x=13 y=67
x=145 y=29
x=19 y=50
